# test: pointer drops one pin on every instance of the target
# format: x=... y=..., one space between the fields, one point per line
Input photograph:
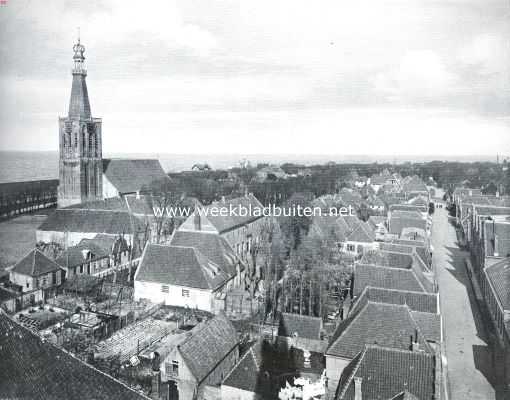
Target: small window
x=351 y=247
x=165 y=289
x=185 y=293
x=175 y=367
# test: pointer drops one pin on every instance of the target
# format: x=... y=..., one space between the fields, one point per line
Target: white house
x=180 y=276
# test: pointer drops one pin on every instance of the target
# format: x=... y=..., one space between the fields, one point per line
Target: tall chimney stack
x=357 y=388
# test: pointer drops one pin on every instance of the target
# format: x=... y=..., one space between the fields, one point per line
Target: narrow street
x=468 y=357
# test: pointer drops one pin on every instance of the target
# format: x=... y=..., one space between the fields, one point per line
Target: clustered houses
x=206 y=258
x=484 y=222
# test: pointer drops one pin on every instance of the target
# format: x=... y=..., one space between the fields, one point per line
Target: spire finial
x=78 y=57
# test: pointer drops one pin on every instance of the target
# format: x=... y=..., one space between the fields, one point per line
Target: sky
x=387 y=77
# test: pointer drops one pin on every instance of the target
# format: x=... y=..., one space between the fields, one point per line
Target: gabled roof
x=400 y=220
x=180 y=266
x=303 y=326
x=387 y=325
x=214 y=247
x=415 y=184
x=430 y=325
x=33 y=369
x=499 y=277
x=90 y=221
x=34 y=264
x=416 y=301
x=209 y=344
x=386 y=372
x=387 y=278
x=231 y=221
x=357 y=230
x=131 y=176
x=387 y=259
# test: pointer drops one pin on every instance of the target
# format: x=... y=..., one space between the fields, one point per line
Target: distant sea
x=26 y=166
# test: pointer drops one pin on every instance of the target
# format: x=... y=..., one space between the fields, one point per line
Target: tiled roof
x=407 y=207
x=214 y=247
x=226 y=223
x=499 y=277
x=35 y=263
x=387 y=325
x=302 y=325
x=208 y=345
x=430 y=325
x=130 y=176
x=399 y=221
x=416 y=301
x=387 y=278
x=180 y=266
x=387 y=259
x=375 y=220
x=33 y=369
x=75 y=255
x=415 y=185
x=90 y=221
x=405 y=395
x=357 y=230
x=386 y=373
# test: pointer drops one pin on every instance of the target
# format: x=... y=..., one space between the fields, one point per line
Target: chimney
x=415 y=346
x=197 y=223
x=357 y=388
x=496 y=245
x=223 y=199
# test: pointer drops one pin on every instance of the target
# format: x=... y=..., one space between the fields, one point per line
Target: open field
x=17 y=238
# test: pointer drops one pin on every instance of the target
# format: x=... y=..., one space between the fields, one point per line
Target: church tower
x=80 y=165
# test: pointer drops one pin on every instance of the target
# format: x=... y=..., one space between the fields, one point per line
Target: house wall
x=73 y=238
x=40 y=282
x=334 y=368
x=198 y=298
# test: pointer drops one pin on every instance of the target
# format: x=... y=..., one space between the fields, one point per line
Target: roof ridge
x=361 y=355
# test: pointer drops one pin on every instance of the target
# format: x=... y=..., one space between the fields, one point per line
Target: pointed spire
x=79 y=105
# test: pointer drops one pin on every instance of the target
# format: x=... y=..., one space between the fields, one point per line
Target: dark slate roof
x=130 y=176
x=35 y=263
x=33 y=369
x=209 y=343
x=430 y=325
x=387 y=325
x=79 y=105
x=90 y=221
x=387 y=278
x=302 y=325
x=180 y=266
x=386 y=373
x=499 y=276
x=213 y=246
x=227 y=223
x=416 y=301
